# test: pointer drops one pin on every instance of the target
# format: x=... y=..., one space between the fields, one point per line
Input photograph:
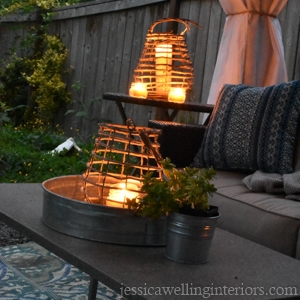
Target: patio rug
x=28 y=271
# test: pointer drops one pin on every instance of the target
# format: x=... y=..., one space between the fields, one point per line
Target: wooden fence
x=105 y=39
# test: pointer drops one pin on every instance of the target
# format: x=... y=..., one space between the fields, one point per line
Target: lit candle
x=138 y=89
x=163 y=67
x=119 y=192
x=176 y=95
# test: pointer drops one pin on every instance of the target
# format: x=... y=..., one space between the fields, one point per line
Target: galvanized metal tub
x=64 y=210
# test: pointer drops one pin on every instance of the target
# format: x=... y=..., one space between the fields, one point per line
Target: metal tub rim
x=65 y=211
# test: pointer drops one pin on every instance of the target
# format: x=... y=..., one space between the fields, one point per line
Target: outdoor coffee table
x=236 y=266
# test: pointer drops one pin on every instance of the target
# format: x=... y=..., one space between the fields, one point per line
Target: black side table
x=165 y=105
x=179 y=142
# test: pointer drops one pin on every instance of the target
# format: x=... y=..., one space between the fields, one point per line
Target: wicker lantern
x=122 y=155
x=164 y=70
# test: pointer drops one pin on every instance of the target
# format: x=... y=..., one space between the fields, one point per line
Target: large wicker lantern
x=164 y=70
x=122 y=155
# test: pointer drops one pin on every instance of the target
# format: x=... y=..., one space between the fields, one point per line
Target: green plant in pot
x=183 y=196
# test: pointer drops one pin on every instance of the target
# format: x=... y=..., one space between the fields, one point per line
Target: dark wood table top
x=188 y=106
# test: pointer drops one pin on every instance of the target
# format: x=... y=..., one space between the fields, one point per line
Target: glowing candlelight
x=176 y=95
x=163 y=67
x=119 y=192
x=138 y=89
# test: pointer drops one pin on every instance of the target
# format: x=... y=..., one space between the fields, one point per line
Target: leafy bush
x=35 y=83
x=186 y=189
x=25 y=155
x=41 y=3
x=35 y=79
x=48 y=88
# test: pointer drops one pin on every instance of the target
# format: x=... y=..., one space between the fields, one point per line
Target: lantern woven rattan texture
x=165 y=62
x=122 y=155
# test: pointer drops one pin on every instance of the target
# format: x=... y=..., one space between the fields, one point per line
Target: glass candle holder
x=177 y=95
x=138 y=89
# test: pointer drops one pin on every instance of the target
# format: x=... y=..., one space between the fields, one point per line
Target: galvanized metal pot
x=188 y=238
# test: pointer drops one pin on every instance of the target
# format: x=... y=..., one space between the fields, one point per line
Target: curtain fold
x=251 y=49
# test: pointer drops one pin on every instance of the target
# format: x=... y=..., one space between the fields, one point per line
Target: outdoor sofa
x=253 y=142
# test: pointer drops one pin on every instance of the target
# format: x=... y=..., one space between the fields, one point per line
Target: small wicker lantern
x=122 y=155
x=164 y=69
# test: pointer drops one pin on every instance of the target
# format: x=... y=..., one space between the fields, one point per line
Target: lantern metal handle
x=145 y=139
x=183 y=21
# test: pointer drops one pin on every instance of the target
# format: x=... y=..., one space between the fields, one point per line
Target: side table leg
x=122 y=112
x=93 y=289
x=173 y=115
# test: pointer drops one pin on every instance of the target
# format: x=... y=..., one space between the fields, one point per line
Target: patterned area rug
x=29 y=271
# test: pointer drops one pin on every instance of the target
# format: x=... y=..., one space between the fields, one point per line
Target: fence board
x=109 y=76
x=193 y=10
x=77 y=53
x=90 y=68
x=100 y=7
x=290 y=20
x=127 y=49
x=103 y=41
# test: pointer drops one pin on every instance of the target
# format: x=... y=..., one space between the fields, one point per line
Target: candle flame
x=121 y=191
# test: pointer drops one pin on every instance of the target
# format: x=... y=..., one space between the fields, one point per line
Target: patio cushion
x=268 y=219
x=253 y=128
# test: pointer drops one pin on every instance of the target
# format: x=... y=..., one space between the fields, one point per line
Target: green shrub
x=34 y=79
x=25 y=155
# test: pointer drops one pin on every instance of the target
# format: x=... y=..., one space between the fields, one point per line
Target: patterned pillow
x=253 y=128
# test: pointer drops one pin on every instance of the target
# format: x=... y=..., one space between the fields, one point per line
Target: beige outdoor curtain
x=251 y=49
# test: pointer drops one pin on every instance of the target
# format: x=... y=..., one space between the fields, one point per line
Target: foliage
x=30 y=5
x=184 y=188
x=86 y=106
x=3 y=114
x=12 y=5
x=36 y=82
x=14 y=89
x=25 y=155
x=49 y=89
x=4 y=110
x=35 y=79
